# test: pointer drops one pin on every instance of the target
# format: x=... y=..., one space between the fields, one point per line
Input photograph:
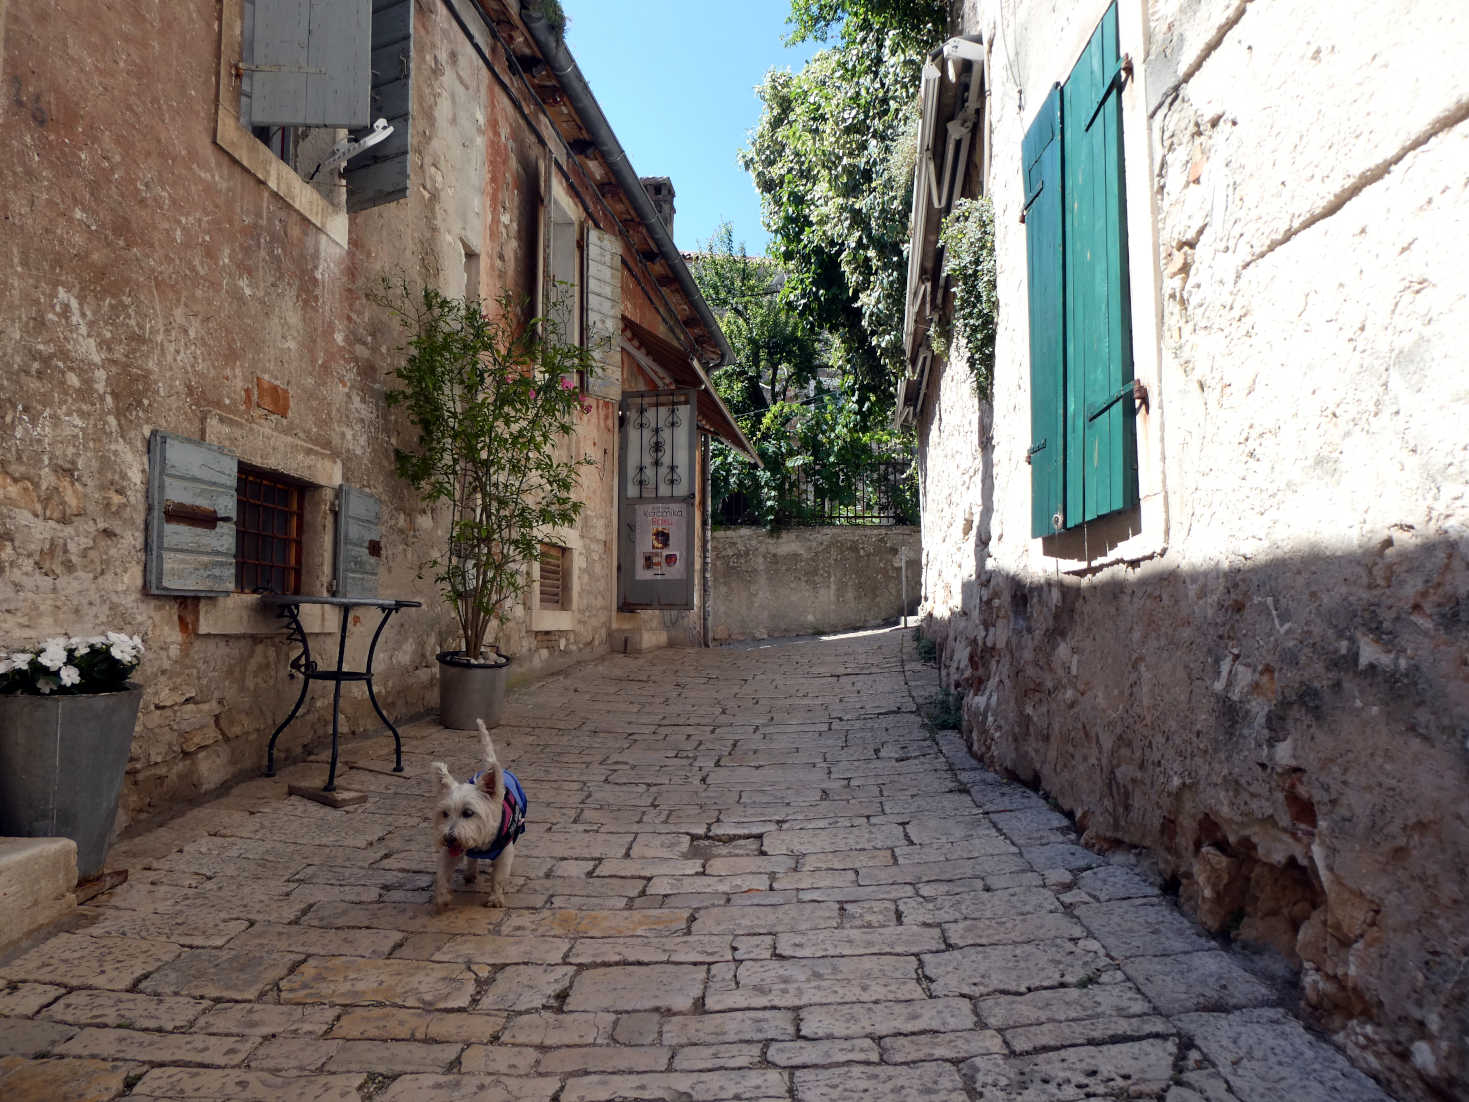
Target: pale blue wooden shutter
x=562 y=294
x=1040 y=158
x=380 y=174
x=189 y=544
x=603 y=283
x=1100 y=420
x=307 y=62
x=359 y=543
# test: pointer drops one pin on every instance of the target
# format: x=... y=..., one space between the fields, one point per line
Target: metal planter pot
x=62 y=760
x=470 y=690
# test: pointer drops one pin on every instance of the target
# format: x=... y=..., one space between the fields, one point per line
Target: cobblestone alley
x=748 y=874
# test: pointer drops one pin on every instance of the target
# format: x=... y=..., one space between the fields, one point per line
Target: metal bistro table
x=288 y=607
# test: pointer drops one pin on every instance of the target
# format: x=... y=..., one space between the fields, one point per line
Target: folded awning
x=663 y=358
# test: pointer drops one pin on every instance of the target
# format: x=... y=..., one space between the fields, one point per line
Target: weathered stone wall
x=1260 y=673
x=807 y=581
x=152 y=280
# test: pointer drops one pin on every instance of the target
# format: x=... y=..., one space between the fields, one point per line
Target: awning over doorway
x=667 y=361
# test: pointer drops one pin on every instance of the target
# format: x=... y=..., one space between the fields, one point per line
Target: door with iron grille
x=656 y=500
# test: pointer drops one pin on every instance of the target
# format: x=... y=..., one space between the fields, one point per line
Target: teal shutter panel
x=189 y=543
x=359 y=543
x=307 y=62
x=1101 y=473
x=1041 y=164
x=380 y=174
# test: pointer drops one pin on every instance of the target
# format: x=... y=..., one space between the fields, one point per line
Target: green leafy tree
x=777 y=356
x=490 y=399
x=831 y=158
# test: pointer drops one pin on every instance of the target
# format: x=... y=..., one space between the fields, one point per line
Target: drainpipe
x=564 y=66
x=706 y=532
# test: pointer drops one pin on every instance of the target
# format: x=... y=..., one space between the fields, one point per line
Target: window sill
x=1129 y=536
x=243 y=614
x=552 y=620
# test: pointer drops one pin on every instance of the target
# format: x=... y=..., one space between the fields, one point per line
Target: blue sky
x=676 y=79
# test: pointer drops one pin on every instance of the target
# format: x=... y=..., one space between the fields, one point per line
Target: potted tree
x=493 y=401
x=67 y=711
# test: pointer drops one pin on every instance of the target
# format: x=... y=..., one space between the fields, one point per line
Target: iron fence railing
x=884 y=493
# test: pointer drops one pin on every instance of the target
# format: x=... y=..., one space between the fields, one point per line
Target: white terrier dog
x=478 y=819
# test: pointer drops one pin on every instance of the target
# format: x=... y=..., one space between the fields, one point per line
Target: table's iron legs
x=302 y=665
x=372 y=696
x=331 y=776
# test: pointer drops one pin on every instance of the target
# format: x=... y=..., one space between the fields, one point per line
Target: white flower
x=6 y=665
x=54 y=657
x=123 y=652
x=47 y=685
x=138 y=643
x=56 y=642
x=70 y=675
x=20 y=659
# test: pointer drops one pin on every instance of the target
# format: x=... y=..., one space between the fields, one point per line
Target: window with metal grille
x=555 y=587
x=268 y=525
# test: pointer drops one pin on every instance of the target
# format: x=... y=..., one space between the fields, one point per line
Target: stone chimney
x=660 y=190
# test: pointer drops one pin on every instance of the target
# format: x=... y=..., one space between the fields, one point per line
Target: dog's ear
x=445 y=778
x=492 y=781
x=486 y=745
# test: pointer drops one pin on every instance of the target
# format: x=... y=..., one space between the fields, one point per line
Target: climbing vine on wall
x=968 y=238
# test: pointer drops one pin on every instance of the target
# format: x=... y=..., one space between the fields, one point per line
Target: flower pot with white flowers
x=493 y=401
x=67 y=711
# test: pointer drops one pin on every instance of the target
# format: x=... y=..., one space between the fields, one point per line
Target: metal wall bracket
x=1134 y=390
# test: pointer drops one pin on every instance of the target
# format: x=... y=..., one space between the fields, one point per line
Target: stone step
x=38 y=879
x=638 y=640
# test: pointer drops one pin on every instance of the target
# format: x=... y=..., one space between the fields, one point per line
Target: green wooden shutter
x=307 y=62
x=380 y=174
x=603 y=283
x=1041 y=164
x=190 y=536
x=359 y=543
x=1101 y=472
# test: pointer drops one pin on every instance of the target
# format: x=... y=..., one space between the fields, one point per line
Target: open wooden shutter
x=603 y=283
x=1041 y=165
x=190 y=536
x=563 y=293
x=380 y=174
x=359 y=543
x=307 y=62
x=1100 y=427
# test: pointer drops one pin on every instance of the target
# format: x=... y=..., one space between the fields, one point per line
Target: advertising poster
x=662 y=544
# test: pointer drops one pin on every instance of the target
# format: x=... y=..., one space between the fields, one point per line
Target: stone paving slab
x=750 y=874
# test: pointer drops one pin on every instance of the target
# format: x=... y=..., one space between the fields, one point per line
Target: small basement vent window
x=268 y=526
x=555 y=586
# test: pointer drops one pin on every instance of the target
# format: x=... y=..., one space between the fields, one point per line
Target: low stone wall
x=810 y=580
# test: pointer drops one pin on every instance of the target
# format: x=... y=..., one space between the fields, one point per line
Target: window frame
x=1140 y=530
x=236 y=139
x=247 y=475
x=565 y=617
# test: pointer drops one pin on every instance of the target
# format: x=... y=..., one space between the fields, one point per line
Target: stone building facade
x=178 y=268
x=1220 y=615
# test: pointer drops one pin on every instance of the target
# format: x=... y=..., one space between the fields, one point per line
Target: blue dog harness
x=512 y=818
